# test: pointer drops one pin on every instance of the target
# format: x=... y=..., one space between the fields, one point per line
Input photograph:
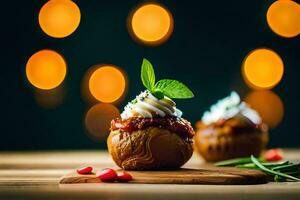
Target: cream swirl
x=147 y=105
x=230 y=107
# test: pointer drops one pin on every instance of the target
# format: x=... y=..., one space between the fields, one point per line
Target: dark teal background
x=205 y=51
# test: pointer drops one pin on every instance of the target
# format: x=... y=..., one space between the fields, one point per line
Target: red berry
x=124 y=176
x=107 y=175
x=273 y=155
x=85 y=170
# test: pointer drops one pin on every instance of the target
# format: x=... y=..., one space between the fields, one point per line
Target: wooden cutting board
x=212 y=175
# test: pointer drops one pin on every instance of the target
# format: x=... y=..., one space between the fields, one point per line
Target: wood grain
x=212 y=176
x=35 y=175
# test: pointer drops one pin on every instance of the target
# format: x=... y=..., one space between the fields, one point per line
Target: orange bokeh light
x=98 y=118
x=262 y=69
x=46 y=69
x=268 y=105
x=50 y=99
x=107 y=83
x=151 y=24
x=59 y=18
x=283 y=18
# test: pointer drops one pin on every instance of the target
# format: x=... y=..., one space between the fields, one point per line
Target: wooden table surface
x=35 y=175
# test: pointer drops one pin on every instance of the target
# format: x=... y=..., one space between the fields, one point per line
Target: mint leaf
x=174 y=89
x=134 y=101
x=158 y=94
x=166 y=87
x=148 y=75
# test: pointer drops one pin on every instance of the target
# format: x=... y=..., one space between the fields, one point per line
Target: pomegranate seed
x=85 y=170
x=107 y=175
x=124 y=176
x=273 y=155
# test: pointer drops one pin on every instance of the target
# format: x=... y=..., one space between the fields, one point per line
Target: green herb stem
x=285 y=168
x=266 y=164
x=279 y=178
x=263 y=168
x=295 y=173
x=234 y=162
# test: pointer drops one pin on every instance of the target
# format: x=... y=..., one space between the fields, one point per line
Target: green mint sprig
x=165 y=87
x=148 y=75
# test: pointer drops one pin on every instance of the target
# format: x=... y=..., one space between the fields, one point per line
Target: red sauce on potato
x=177 y=125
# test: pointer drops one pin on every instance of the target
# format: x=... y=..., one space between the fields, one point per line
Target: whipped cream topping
x=230 y=107
x=147 y=105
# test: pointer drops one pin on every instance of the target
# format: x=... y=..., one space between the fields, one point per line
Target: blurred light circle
x=46 y=69
x=107 y=83
x=98 y=118
x=283 y=18
x=50 y=99
x=151 y=24
x=268 y=105
x=59 y=18
x=262 y=69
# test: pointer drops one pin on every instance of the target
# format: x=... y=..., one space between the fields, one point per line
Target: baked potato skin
x=152 y=148
x=230 y=139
